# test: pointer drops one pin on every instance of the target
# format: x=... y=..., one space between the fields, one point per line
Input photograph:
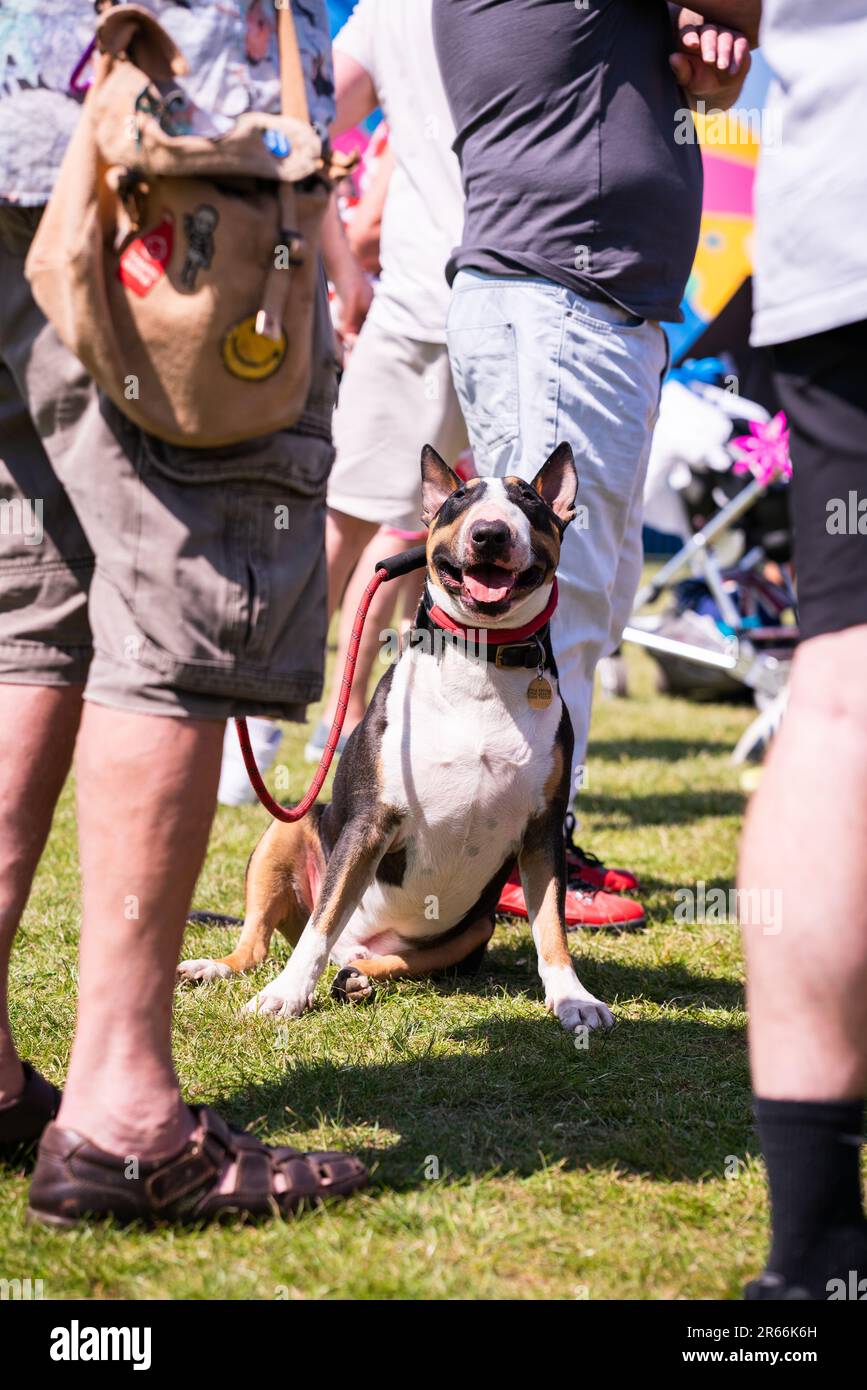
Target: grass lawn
x=506 y=1163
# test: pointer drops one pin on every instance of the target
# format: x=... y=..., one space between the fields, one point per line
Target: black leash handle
x=404 y=563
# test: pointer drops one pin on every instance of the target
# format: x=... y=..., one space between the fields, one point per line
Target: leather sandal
x=74 y=1179
x=23 y=1119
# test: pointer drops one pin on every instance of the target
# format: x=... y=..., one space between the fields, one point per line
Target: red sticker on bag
x=144 y=261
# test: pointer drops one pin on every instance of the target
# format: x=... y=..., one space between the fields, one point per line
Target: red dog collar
x=497 y=636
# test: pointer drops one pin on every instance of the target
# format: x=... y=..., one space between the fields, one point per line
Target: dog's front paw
x=194 y=972
x=582 y=1013
x=279 y=1003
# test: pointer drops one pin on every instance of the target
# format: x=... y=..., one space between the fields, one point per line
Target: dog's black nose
x=490 y=535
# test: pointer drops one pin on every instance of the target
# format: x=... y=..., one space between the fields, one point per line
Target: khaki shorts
x=167 y=581
x=395 y=396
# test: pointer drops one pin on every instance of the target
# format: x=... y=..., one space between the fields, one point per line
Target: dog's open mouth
x=486 y=586
x=488 y=583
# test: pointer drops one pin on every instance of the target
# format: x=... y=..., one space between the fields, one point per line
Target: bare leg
x=345 y=539
x=804 y=837
x=146 y=795
x=379 y=616
x=38 y=725
x=806 y=945
x=409 y=589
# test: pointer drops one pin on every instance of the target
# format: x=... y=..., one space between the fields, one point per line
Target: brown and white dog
x=461 y=764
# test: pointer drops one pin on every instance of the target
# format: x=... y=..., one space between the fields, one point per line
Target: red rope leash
x=295 y=813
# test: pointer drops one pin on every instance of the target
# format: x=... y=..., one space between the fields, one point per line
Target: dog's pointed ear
x=557 y=483
x=437 y=482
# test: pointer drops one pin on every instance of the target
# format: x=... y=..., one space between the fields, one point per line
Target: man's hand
x=351 y=285
x=710 y=62
x=354 y=297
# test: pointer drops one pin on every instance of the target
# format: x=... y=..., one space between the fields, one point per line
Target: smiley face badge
x=250 y=355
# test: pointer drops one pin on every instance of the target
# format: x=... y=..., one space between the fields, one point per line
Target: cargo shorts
x=165 y=580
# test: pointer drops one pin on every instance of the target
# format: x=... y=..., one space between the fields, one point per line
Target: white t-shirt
x=811 y=192
x=423 y=212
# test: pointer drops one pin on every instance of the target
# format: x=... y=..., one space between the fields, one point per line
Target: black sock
x=812 y=1152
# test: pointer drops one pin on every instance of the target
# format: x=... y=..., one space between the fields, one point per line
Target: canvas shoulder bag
x=182 y=269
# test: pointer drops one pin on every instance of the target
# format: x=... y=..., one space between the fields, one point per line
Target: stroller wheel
x=613 y=678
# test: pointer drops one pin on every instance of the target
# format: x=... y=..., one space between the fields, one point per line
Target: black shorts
x=822 y=384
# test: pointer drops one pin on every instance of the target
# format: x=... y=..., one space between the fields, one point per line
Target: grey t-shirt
x=566 y=121
x=230 y=45
x=811 y=193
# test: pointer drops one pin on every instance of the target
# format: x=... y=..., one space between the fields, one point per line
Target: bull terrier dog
x=461 y=764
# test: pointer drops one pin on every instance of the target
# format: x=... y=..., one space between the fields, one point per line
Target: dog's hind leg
x=354 y=983
x=282 y=879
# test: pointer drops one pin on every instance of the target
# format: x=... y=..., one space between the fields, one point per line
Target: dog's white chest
x=465 y=760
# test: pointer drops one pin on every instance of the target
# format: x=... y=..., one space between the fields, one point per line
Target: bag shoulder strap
x=293 y=91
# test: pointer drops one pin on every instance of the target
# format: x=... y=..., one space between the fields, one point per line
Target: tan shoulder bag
x=182 y=269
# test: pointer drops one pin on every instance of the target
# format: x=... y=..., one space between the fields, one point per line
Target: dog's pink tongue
x=488 y=583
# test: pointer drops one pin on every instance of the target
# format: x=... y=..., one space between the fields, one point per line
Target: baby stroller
x=729 y=628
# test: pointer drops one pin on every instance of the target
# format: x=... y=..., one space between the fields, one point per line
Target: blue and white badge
x=279 y=144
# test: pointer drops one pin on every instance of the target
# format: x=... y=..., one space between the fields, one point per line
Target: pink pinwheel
x=764 y=451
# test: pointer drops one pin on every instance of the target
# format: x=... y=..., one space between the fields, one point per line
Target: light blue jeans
x=535 y=364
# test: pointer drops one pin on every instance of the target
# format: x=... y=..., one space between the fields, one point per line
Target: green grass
x=562 y=1173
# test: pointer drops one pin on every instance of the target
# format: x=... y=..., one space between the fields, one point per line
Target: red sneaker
x=590 y=870
x=586 y=906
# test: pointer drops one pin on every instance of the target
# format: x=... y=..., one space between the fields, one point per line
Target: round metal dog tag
x=539 y=693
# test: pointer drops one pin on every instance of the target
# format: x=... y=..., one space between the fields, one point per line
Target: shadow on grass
x=664 y=808
x=512 y=965
x=18 y=1163
x=663 y=899
x=667 y=1098
x=668 y=750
